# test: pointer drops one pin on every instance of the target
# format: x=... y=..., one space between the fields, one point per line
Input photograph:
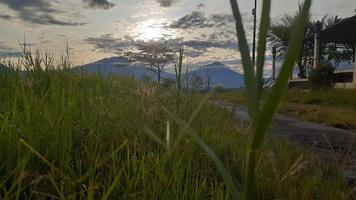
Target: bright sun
x=151 y=33
x=152 y=29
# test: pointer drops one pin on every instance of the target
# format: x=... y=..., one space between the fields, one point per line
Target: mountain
x=220 y=74
x=3 y=68
x=120 y=66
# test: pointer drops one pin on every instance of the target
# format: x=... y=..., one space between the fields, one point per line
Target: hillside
x=121 y=66
x=221 y=75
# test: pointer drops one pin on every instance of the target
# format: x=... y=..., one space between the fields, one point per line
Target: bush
x=322 y=77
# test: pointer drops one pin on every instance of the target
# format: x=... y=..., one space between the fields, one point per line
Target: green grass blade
x=113 y=185
x=250 y=78
x=261 y=47
x=269 y=109
x=192 y=117
x=218 y=163
x=153 y=136
x=261 y=50
x=265 y=117
x=32 y=150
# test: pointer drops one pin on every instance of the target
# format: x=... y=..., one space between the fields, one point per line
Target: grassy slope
x=85 y=136
x=335 y=108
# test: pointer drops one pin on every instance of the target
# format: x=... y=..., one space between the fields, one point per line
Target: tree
x=196 y=82
x=280 y=32
x=156 y=54
x=330 y=51
x=208 y=77
x=322 y=78
x=279 y=36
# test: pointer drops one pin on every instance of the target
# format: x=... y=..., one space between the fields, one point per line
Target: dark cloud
x=222 y=20
x=196 y=19
x=204 y=45
x=195 y=47
x=192 y=53
x=45 y=42
x=99 y=4
x=214 y=31
x=38 y=12
x=166 y=3
x=48 y=19
x=201 y=5
x=5 y=16
x=217 y=30
x=108 y=44
x=62 y=35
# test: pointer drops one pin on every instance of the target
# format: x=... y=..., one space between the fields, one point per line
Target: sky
x=96 y=29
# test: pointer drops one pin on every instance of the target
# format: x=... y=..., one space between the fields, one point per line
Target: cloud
x=61 y=35
x=194 y=48
x=166 y=3
x=38 y=12
x=201 y=5
x=99 y=4
x=5 y=16
x=211 y=31
x=108 y=44
x=45 y=42
x=6 y=51
x=196 y=19
x=222 y=19
x=48 y=19
x=203 y=45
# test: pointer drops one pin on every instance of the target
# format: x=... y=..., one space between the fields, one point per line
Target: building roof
x=342 y=32
x=342 y=71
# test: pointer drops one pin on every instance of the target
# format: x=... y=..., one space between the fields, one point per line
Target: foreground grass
x=64 y=136
x=336 y=108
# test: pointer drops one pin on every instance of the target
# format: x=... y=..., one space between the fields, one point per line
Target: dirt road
x=329 y=143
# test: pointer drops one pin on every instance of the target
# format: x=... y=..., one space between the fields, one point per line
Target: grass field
x=67 y=136
x=335 y=108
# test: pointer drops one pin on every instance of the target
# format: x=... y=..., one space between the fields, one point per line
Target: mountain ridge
x=219 y=74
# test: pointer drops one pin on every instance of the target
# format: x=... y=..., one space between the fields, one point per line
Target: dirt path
x=329 y=143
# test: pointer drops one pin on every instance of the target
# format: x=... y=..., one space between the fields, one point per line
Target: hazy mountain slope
x=120 y=66
x=220 y=74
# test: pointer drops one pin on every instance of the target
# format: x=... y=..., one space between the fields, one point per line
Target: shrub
x=322 y=78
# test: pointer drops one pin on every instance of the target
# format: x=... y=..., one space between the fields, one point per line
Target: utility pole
x=254 y=13
x=274 y=53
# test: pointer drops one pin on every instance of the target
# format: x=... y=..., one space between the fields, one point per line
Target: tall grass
x=261 y=115
x=69 y=136
x=262 y=119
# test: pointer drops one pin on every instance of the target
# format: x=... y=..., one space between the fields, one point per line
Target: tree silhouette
x=156 y=54
x=280 y=33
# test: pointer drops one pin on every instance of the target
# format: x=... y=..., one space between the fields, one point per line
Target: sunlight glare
x=152 y=29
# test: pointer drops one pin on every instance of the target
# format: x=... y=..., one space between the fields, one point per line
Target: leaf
x=218 y=163
x=261 y=48
x=269 y=109
x=250 y=78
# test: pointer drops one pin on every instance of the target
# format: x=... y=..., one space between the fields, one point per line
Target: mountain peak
x=115 y=59
x=214 y=64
